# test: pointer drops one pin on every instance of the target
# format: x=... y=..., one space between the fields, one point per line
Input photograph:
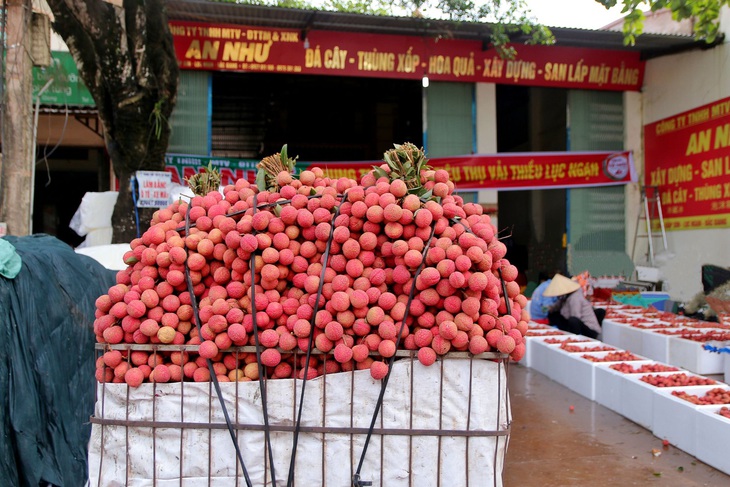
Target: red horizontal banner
x=537 y=170
x=509 y=171
x=688 y=159
x=229 y=47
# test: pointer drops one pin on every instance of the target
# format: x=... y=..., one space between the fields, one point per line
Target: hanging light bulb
x=425 y=82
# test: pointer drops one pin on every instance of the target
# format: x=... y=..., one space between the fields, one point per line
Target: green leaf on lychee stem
x=277 y=210
x=261 y=180
x=657 y=474
x=379 y=172
x=284 y=157
x=680 y=469
x=131 y=260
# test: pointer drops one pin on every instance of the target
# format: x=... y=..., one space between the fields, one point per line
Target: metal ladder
x=651 y=209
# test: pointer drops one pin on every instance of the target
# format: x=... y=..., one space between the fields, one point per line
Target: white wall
x=674 y=84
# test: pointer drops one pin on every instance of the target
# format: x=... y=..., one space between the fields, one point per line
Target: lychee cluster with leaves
x=207 y=180
x=275 y=171
x=406 y=162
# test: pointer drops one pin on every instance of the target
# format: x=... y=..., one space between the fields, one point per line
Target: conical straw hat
x=560 y=285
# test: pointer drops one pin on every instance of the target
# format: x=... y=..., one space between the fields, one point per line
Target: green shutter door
x=190 y=120
x=450 y=123
x=450 y=126
x=596 y=224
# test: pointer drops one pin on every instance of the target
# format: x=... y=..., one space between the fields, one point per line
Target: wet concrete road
x=550 y=446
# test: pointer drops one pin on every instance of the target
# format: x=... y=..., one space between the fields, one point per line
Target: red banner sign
x=688 y=159
x=537 y=170
x=509 y=171
x=222 y=47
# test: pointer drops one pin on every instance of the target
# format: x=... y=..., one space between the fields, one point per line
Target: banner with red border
x=230 y=47
x=508 y=171
x=688 y=159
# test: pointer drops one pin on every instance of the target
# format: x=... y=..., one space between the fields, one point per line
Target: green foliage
x=506 y=18
x=157 y=118
x=704 y=14
x=357 y=6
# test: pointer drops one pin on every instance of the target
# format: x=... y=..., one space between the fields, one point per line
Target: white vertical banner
x=153 y=189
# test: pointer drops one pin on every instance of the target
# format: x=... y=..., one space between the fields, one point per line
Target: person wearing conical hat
x=573 y=312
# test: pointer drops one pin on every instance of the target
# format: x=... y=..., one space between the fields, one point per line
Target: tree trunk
x=127 y=59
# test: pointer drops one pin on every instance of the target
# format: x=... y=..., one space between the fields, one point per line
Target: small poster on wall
x=153 y=189
x=688 y=159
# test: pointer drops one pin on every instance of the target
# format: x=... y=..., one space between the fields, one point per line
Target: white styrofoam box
x=638 y=398
x=539 y=334
x=655 y=345
x=609 y=382
x=713 y=431
x=676 y=419
x=543 y=358
x=574 y=371
x=611 y=331
x=692 y=356
x=726 y=366
x=631 y=339
x=528 y=359
x=549 y=331
x=531 y=325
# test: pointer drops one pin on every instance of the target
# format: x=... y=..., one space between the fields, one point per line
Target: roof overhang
x=649 y=45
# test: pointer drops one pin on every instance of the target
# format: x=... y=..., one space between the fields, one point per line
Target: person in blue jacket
x=540 y=304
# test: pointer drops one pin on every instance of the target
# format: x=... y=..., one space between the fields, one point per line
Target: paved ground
x=590 y=446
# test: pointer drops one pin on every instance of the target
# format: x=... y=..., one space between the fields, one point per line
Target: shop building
x=342 y=88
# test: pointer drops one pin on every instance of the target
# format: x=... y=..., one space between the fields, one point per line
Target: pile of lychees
x=398 y=245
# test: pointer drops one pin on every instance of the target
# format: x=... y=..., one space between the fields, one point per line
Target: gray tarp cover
x=47 y=363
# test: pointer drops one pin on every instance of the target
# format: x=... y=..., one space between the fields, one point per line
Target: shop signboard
x=229 y=47
x=66 y=86
x=181 y=167
x=509 y=171
x=688 y=159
